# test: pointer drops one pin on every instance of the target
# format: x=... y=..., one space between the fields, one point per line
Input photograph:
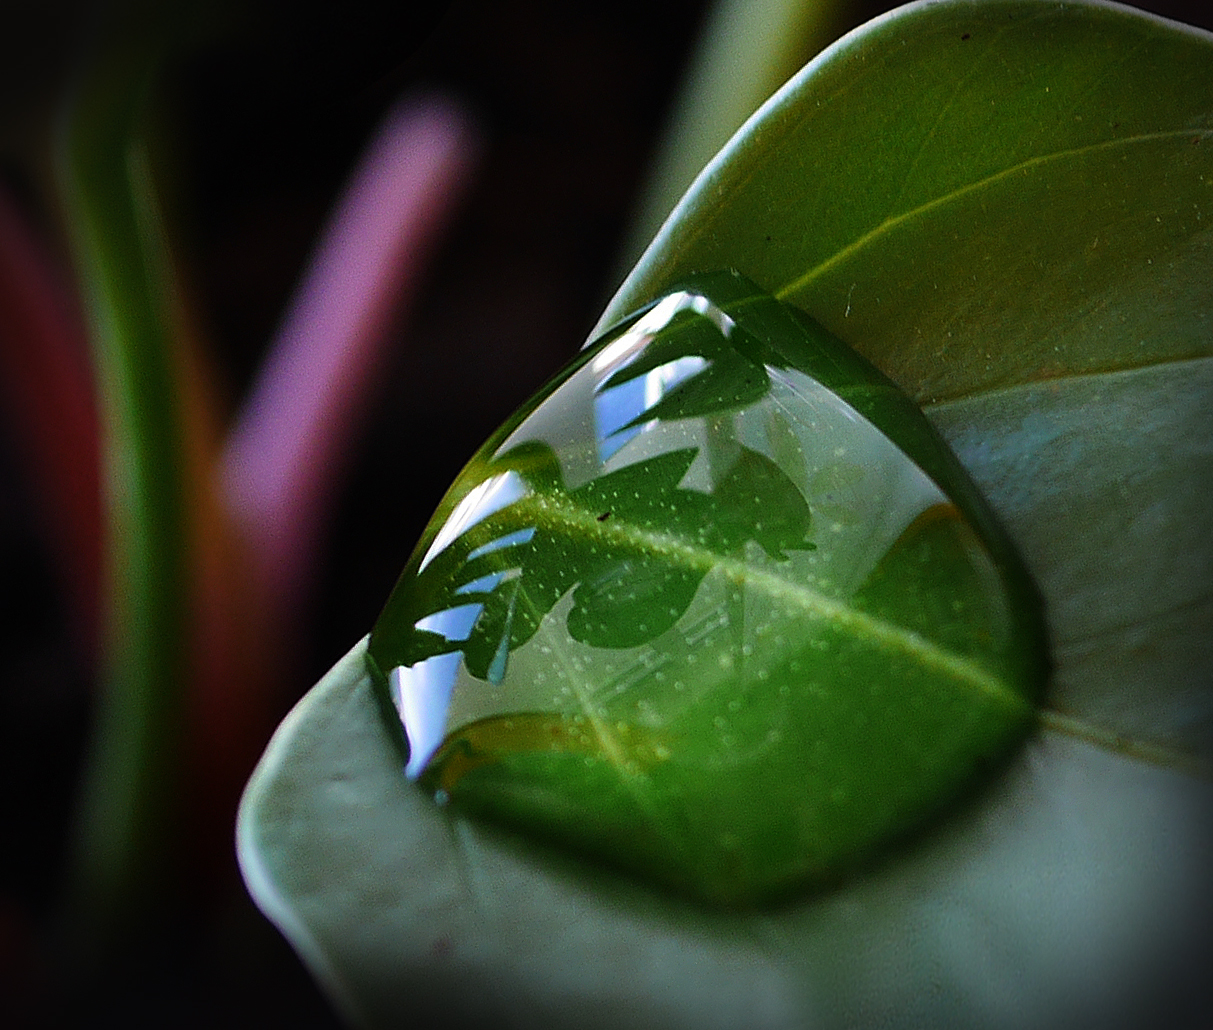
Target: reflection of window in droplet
x=519 y=536
x=620 y=405
x=614 y=409
x=422 y=694
x=489 y=497
x=786 y=449
x=662 y=381
x=485 y=584
x=621 y=351
x=617 y=406
x=663 y=314
x=453 y=623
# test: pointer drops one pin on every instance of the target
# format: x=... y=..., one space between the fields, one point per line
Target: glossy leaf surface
x=1066 y=324
x=698 y=610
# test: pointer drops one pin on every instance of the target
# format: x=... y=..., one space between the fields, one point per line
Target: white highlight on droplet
x=641 y=333
x=519 y=536
x=488 y=498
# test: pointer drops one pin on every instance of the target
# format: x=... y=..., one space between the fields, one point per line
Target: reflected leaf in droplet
x=717 y=606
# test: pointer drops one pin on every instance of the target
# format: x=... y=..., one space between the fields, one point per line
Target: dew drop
x=720 y=496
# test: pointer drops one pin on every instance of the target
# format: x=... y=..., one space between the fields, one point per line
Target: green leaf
x=106 y=185
x=1004 y=207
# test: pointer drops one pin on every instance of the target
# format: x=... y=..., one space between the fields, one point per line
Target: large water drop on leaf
x=717 y=606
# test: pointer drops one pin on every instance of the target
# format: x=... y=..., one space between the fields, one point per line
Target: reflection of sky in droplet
x=487 y=584
x=619 y=405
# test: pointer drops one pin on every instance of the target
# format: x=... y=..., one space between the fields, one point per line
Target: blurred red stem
x=48 y=391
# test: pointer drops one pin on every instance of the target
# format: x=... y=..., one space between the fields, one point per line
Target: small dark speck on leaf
x=604 y=516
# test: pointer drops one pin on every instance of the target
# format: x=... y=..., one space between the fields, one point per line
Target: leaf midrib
x=577 y=520
x=1053 y=720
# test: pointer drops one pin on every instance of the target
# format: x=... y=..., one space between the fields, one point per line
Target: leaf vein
x=1164 y=757
x=896 y=221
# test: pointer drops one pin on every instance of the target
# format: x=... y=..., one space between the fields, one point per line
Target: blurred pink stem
x=288 y=449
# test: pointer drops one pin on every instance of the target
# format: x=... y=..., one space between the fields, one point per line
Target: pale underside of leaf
x=405 y=911
x=396 y=904
x=1125 y=562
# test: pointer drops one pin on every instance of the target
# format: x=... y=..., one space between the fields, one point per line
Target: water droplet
x=778 y=509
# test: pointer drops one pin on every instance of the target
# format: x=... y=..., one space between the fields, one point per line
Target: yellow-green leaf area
x=1002 y=193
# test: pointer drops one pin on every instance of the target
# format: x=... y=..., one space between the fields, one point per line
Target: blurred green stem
x=104 y=183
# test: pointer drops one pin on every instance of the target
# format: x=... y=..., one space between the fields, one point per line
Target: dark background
x=270 y=109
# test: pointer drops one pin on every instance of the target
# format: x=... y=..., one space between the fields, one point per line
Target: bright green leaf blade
x=975 y=195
